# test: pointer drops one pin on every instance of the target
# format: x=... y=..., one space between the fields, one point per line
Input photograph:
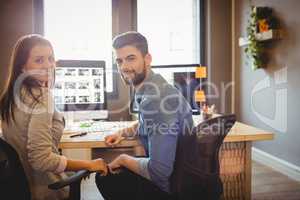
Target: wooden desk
x=235 y=157
x=93 y=142
x=235 y=160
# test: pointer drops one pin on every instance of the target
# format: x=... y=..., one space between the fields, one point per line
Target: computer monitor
x=79 y=89
x=183 y=78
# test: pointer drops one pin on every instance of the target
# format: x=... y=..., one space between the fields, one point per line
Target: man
x=163 y=115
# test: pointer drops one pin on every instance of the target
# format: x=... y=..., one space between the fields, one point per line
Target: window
x=174 y=38
x=175 y=32
x=81 y=30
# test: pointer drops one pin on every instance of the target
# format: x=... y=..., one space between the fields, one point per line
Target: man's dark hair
x=131 y=38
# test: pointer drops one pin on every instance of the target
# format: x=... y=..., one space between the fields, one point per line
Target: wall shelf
x=273 y=34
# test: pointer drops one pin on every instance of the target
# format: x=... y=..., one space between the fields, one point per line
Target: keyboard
x=101 y=126
x=96 y=131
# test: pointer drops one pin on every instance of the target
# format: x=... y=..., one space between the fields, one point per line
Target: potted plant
x=261 y=20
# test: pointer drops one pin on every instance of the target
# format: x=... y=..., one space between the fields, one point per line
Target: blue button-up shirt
x=163 y=115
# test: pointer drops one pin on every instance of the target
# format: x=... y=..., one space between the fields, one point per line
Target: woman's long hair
x=19 y=57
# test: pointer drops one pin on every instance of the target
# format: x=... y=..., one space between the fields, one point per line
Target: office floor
x=267 y=184
x=270 y=185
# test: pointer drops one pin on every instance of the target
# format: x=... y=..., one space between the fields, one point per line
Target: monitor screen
x=80 y=85
x=183 y=78
x=187 y=84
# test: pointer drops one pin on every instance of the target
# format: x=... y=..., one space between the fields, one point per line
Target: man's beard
x=137 y=79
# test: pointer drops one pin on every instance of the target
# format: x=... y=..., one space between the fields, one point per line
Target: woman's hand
x=98 y=165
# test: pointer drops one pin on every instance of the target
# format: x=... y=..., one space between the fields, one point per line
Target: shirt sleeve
x=40 y=141
x=163 y=129
x=62 y=165
x=143 y=167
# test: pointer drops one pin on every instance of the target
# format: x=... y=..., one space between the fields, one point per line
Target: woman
x=31 y=124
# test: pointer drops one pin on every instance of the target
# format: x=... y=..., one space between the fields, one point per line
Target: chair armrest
x=78 y=176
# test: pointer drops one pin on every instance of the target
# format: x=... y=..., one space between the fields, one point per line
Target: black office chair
x=196 y=170
x=13 y=181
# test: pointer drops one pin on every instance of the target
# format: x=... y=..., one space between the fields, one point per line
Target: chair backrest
x=196 y=172
x=13 y=181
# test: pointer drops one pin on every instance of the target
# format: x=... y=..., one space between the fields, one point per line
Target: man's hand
x=125 y=161
x=113 y=139
x=117 y=137
x=116 y=164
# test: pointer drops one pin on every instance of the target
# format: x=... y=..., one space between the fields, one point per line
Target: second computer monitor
x=183 y=78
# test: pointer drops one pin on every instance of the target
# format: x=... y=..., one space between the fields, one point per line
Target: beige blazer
x=35 y=134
